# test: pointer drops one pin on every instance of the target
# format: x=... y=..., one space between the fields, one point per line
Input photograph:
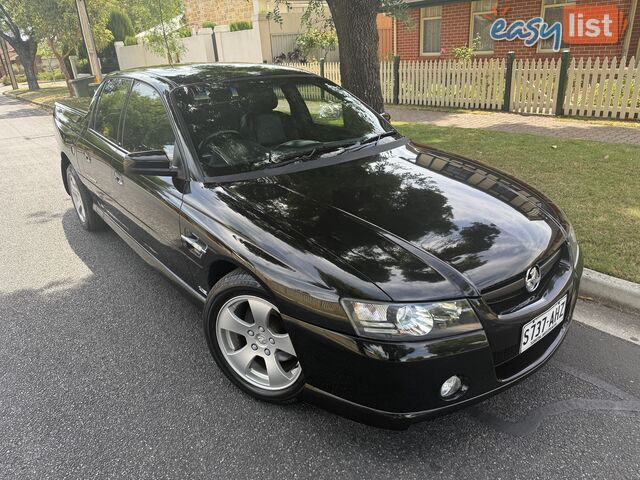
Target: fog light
x=450 y=387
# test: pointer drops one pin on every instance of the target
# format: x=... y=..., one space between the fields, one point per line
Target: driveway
x=104 y=373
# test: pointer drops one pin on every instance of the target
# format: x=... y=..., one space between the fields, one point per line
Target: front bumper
x=394 y=385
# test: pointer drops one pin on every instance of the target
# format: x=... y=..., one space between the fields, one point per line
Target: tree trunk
x=164 y=34
x=63 y=66
x=65 y=72
x=355 y=22
x=26 y=50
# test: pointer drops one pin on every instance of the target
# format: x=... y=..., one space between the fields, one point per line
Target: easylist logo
x=581 y=25
x=593 y=24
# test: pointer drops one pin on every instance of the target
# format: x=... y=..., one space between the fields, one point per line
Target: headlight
x=410 y=321
x=574 y=248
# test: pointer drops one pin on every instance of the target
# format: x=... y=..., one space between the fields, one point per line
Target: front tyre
x=82 y=202
x=247 y=339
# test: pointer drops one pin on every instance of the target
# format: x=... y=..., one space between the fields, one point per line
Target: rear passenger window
x=110 y=105
x=146 y=124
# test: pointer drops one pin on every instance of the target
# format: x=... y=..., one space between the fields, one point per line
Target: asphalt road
x=104 y=373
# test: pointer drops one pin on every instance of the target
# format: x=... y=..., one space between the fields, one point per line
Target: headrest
x=263 y=100
x=198 y=95
x=220 y=95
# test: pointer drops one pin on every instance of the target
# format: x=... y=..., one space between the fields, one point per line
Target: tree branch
x=10 y=23
x=6 y=37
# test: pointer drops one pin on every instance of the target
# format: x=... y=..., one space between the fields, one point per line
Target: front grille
x=512 y=295
x=518 y=363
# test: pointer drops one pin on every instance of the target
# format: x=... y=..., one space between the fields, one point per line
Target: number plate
x=542 y=324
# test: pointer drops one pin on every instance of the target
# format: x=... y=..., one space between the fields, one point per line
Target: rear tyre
x=82 y=202
x=247 y=339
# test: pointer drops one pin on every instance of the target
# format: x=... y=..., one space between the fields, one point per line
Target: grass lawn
x=596 y=184
x=48 y=95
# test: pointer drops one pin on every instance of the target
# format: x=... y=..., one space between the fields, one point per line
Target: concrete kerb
x=610 y=291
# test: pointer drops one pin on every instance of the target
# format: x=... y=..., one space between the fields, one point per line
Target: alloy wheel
x=254 y=343
x=76 y=197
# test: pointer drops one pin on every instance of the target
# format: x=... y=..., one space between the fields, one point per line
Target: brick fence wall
x=221 y=12
x=456 y=22
x=635 y=35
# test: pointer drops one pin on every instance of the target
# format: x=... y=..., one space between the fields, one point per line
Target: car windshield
x=252 y=124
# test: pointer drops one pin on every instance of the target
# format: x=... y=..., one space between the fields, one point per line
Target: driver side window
x=109 y=108
x=146 y=124
x=283 y=104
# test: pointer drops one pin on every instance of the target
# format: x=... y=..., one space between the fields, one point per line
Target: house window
x=552 y=12
x=430 y=22
x=482 y=12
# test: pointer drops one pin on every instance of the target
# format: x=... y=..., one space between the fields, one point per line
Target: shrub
x=184 y=32
x=120 y=25
x=208 y=24
x=130 y=40
x=83 y=66
x=323 y=40
x=294 y=56
x=46 y=75
x=465 y=53
x=241 y=25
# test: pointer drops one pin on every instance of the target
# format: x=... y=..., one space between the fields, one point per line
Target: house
x=220 y=12
x=265 y=41
x=436 y=27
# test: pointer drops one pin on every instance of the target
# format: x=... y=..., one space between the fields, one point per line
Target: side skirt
x=146 y=255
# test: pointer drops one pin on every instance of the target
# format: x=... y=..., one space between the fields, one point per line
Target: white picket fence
x=534 y=86
x=477 y=84
x=331 y=69
x=386 y=81
x=332 y=72
x=313 y=67
x=599 y=88
x=603 y=89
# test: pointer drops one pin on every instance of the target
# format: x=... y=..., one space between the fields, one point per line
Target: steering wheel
x=210 y=137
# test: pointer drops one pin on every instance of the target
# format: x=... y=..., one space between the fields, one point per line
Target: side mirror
x=153 y=163
x=386 y=116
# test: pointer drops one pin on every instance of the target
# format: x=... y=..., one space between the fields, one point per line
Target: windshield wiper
x=295 y=157
x=372 y=140
x=292 y=158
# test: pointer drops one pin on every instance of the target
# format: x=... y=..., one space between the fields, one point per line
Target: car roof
x=178 y=75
